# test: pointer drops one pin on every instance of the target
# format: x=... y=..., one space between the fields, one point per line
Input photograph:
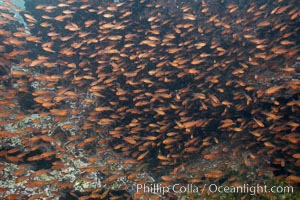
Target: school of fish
x=153 y=82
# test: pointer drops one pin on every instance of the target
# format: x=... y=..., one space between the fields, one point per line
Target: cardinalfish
x=152 y=84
